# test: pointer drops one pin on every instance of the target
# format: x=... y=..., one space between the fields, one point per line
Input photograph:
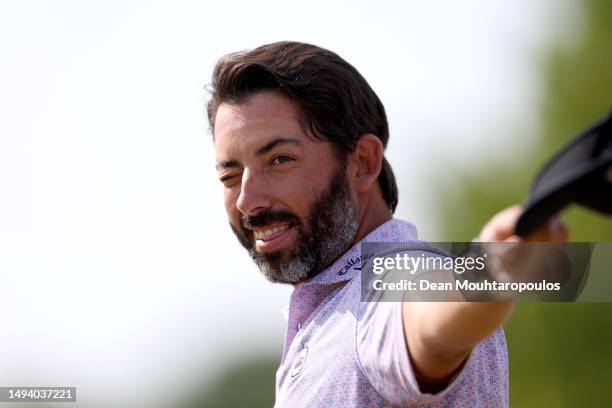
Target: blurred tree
x=250 y=384
x=560 y=354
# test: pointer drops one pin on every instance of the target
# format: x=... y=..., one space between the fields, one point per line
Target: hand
x=515 y=261
x=501 y=229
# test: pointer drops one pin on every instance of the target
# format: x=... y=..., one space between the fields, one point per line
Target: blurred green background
x=560 y=354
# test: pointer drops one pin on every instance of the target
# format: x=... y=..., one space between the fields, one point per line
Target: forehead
x=262 y=116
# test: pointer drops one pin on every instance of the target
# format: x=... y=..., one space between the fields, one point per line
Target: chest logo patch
x=299 y=362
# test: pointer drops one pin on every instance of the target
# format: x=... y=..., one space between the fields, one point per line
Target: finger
x=559 y=231
x=501 y=226
x=554 y=230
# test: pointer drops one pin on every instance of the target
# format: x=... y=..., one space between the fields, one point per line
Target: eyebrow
x=226 y=164
x=272 y=144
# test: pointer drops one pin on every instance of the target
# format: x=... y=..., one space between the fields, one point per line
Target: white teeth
x=267 y=233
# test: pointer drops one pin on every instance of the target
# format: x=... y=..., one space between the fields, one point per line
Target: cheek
x=302 y=201
x=229 y=200
x=300 y=193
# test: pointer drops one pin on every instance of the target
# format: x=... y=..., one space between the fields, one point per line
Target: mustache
x=267 y=217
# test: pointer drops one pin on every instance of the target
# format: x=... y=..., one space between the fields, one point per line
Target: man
x=299 y=141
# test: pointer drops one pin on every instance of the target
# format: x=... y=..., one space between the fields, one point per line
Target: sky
x=119 y=272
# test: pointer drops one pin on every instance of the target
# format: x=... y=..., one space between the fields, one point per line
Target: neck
x=370 y=219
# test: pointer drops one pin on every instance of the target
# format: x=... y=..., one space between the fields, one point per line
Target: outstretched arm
x=441 y=335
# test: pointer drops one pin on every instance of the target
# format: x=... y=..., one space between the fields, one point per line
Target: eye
x=229 y=180
x=280 y=159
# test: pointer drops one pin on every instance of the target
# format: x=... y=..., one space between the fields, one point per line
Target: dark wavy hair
x=336 y=102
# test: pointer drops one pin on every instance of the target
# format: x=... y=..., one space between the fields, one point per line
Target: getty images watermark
x=468 y=271
x=459 y=265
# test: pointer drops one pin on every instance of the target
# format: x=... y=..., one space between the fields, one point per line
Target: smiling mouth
x=274 y=237
x=270 y=233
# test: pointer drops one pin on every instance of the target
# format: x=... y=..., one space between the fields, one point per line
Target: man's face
x=286 y=194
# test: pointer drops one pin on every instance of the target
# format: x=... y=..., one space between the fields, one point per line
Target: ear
x=366 y=161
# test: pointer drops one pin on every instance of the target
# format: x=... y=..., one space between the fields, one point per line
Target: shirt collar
x=349 y=264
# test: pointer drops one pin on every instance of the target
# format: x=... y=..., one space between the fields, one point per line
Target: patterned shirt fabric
x=341 y=352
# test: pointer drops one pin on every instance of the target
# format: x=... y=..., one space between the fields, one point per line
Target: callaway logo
x=349 y=264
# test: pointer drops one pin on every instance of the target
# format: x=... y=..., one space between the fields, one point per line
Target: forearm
x=441 y=335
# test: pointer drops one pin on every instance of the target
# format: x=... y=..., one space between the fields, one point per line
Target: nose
x=254 y=194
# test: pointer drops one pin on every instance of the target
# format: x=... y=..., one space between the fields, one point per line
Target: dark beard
x=324 y=236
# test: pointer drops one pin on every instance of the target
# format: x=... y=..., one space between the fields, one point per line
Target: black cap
x=580 y=172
